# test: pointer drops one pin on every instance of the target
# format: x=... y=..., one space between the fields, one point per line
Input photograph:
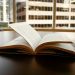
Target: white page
x=67 y=46
x=71 y=36
x=17 y=41
x=26 y=31
x=54 y=37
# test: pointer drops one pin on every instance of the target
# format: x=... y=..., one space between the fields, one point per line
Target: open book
x=30 y=41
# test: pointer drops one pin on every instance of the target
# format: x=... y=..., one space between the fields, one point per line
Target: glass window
x=60 y=13
x=72 y=25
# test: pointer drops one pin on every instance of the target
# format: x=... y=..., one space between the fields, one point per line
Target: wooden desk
x=40 y=65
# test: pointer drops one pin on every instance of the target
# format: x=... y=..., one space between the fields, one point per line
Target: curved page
x=26 y=31
x=17 y=41
x=55 y=37
x=66 y=47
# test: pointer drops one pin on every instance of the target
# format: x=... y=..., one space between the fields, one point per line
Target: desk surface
x=40 y=65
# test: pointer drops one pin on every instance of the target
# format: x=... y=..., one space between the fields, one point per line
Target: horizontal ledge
x=6 y=29
x=56 y=30
x=53 y=30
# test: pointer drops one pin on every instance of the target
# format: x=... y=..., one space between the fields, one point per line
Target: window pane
x=40 y=13
x=65 y=15
x=21 y=11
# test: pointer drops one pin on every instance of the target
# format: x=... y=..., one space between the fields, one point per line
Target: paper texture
x=26 y=31
x=55 y=37
x=17 y=41
x=67 y=46
x=71 y=36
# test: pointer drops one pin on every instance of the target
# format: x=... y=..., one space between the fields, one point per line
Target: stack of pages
x=30 y=42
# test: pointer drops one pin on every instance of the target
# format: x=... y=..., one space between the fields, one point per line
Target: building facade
x=51 y=14
x=21 y=11
x=39 y=13
x=65 y=14
x=4 y=8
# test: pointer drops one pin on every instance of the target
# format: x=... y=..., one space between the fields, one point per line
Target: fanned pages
x=26 y=31
x=18 y=41
x=55 y=37
x=47 y=47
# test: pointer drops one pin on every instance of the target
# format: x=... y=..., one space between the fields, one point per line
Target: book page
x=17 y=41
x=55 y=37
x=26 y=31
x=67 y=46
x=71 y=36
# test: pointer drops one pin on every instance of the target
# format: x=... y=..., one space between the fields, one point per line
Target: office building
x=21 y=11
x=47 y=14
x=39 y=13
x=4 y=8
x=65 y=14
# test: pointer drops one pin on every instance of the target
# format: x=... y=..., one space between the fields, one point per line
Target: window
x=41 y=25
x=60 y=1
x=59 y=16
x=72 y=17
x=40 y=8
x=62 y=17
x=40 y=17
x=61 y=9
x=61 y=25
x=42 y=0
x=72 y=9
x=21 y=16
x=72 y=25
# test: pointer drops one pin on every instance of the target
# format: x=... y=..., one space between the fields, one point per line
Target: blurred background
x=40 y=14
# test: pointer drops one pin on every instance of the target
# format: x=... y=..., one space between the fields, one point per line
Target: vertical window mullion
x=54 y=13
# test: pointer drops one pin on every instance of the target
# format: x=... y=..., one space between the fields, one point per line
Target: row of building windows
x=42 y=0
x=61 y=25
x=65 y=17
x=38 y=8
x=41 y=25
x=21 y=9
x=65 y=25
x=72 y=25
x=60 y=1
x=42 y=8
x=72 y=9
x=21 y=18
x=40 y=17
x=50 y=25
x=62 y=9
x=49 y=17
x=72 y=17
x=62 y=17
